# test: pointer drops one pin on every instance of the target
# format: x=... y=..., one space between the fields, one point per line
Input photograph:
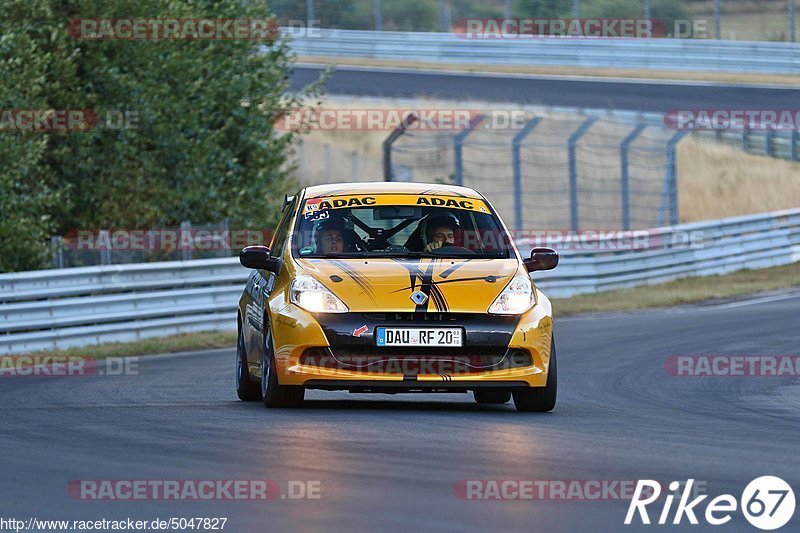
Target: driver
x=441 y=231
x=329 y=237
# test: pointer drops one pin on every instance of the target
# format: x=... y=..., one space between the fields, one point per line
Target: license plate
x=419 y=337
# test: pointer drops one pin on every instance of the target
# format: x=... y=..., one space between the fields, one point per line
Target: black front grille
x=419 y=317
x=417 y=360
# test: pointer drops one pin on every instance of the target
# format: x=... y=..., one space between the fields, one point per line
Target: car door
x=263 y=283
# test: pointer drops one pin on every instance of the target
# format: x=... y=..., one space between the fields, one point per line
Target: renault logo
x=419 y=297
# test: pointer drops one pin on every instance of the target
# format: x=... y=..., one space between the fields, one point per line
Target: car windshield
x=398 y=226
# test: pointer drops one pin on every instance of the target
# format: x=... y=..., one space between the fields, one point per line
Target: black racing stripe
x=453 y=269
x=356 y=276
x=476 y=278
x=438 y=299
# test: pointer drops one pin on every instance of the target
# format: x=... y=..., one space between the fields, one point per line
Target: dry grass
x=718 y=181
x=715 y=180
x=747 y=20
x=687 y=75
x=202 y=340
x=682 y=292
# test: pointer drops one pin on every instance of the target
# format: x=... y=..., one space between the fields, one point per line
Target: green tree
x=204 y=147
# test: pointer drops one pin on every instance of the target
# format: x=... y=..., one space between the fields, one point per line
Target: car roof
x=389 y=187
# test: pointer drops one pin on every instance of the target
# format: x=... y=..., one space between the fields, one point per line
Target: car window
x=398 y=226
x=279 y=239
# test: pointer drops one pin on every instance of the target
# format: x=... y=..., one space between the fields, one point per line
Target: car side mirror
x=541 y=259
x=259 y=257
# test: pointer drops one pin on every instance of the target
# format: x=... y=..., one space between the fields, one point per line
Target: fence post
x=185 y=226
x=458 y=144
x=768 y=136
x=387 y=144
x=517 y=164
x=354 y=164
x=57 y=249
x=573 y=171
x=105 y=255
x=626 y=194
x=326 y=155
x=301 y=153
x=670 y=189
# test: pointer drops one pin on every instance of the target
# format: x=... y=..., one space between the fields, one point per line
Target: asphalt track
x=627 y=94
x=391 y=462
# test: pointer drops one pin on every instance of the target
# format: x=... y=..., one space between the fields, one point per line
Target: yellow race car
x=394 y=287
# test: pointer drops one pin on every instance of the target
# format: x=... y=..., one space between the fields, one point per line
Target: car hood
x=386 y=285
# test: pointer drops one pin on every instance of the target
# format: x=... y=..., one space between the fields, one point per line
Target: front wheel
x=247 y=389
x=540 y=399
x=273 y=393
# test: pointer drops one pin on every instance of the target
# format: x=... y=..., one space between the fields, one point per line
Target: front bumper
x=316 y=351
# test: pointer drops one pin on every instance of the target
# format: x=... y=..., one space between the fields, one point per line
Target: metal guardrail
x=659 y=54
x=62 y=308
x=48 y=309
x=686 y=250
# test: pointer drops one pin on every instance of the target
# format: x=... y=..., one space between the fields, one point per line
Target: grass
x=202 y=340
x=714 y=180
x=683 y=291
x=765 y=20
x=687 y=75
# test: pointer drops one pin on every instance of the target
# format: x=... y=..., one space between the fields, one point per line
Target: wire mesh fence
x=570 y=171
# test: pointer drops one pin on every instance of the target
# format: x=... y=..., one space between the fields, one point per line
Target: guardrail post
x=670 y=189
x=458 y=145
x=573 y=171
x=387 y=144
x=793 y=145
x=623 y=155
x=517 y=164
x=745 y=138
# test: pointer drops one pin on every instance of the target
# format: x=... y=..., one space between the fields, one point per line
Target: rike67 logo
x=767 y=503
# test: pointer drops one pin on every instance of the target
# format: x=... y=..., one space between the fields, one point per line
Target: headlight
x=515 y=299
x=313 y=296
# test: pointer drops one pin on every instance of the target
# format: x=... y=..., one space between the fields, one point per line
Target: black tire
x=491 y=395
x=540 y=399
x=247 y=389
x=273 y=393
